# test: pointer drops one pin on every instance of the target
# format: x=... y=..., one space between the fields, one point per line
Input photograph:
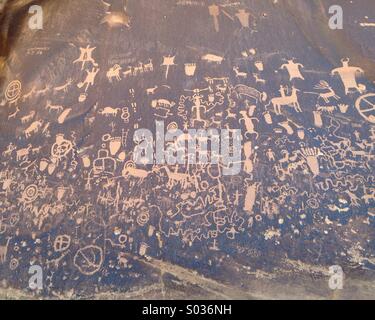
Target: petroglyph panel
x=212 y=142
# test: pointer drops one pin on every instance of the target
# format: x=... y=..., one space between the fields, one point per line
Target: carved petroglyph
x=91 y=190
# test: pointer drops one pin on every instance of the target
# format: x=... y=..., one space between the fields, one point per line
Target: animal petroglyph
x=285 y=101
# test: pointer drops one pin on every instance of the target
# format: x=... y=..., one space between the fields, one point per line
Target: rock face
x=82 y=203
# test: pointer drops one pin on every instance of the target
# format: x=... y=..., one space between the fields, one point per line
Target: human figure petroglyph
x=270 y=155
x=198 y=109
x=86 y=57
x=348 y=76
x=293 y=70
